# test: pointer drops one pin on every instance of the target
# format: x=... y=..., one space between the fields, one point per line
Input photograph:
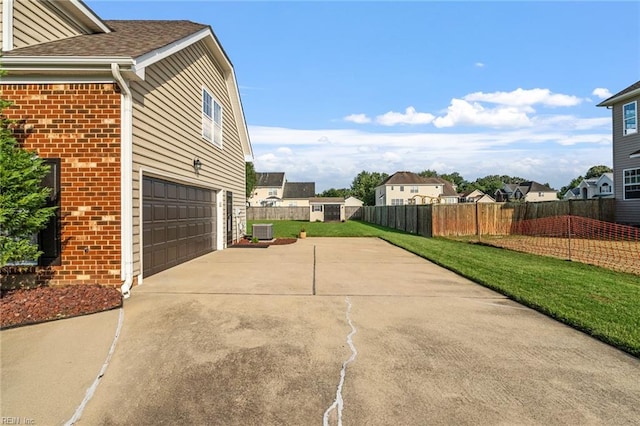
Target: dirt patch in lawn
x=40 y=304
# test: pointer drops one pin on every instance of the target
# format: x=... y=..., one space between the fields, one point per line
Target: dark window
x=631 y=184
x=49 y=240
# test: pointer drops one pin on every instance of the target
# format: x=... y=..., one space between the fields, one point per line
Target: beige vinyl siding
x=167 y=132
x=627 y=211
x=36 y=22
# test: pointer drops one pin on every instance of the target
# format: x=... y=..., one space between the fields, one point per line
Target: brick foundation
x=80 y=124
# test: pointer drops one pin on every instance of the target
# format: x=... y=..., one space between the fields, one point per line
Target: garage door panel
x=172 y=212
x=158 y=189
x=178 y=224
x=159 y=236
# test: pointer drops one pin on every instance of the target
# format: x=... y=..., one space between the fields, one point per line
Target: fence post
x=477 y=221
x=569 y=234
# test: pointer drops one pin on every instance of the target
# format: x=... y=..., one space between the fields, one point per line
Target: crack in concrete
x=338 y=403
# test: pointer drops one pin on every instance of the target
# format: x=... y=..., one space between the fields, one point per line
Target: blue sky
x=333 y=88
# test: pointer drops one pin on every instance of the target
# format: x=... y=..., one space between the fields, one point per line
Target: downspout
x=126 y=183
x=7 y=25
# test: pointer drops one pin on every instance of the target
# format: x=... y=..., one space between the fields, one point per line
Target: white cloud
x=358 y=118
x=479 y=65
x=536 y=152
x=602 y=93
x=410 y=116
x=284 y=150
x=461 y=112
x=522 y=97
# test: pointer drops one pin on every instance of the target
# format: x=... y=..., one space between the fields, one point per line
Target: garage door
x=178 y=223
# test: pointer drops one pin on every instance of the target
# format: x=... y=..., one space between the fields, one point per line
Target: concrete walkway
x=261 y=336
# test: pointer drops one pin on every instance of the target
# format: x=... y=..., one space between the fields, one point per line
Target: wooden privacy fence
x=295 y=213
x=465 y=219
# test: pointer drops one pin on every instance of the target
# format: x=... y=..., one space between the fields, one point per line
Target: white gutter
x=66 y=60
x=7 y=25
x=126 y=182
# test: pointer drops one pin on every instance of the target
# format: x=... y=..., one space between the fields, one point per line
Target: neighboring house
x=626 y=153
x=269 y=190
x=572 y=194
x=402 y=188
x=143 y=126
x=525 y=191
x=273 y=190
x=327 y=209
x=353 y=202
x=297 y=194
x=599 y=187
x=476 y=196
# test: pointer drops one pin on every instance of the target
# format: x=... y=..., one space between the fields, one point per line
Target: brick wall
x=80 y=124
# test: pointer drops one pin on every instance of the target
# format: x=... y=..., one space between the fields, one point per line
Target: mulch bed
x=40 y=304
x=246 y=243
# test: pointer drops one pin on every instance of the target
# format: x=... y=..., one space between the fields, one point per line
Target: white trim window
x=414 y=190
x=605 y=188
x=211 y=119
x=397 y=201
x=631 y=184
x=630 y=118
x=273 y=192
x=316 y=207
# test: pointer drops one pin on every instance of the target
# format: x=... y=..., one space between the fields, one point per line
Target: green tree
x=250 y=178
x=597 y=171
x=364 y=185
x=428 y=173
x=333 y=192
x=22 y=197
x=491 y=183
x=456 y=179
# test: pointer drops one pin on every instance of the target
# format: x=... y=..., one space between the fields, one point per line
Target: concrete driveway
x=351 y=331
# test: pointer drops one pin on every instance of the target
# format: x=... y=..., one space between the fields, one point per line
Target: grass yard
x=598 y=301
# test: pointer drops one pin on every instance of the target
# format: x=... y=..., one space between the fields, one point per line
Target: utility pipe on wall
x=126 y=183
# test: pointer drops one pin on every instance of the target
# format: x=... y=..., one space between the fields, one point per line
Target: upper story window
x=605 y=188
x=402 y=189
x=211 y=119
x=631 y=184
x=630 y=118
x=414 y=190
x=273 y=192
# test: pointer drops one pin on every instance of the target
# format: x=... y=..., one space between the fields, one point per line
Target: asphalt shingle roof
x=623 y=92
x=128 y=39
x=270 y=179
x=299 y=190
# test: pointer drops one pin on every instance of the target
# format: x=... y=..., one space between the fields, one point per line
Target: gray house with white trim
x=626 y=152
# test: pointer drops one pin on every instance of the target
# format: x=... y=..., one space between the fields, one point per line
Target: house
x=403 y=188
x=353 y=202
x=572 y=194
x=327 y=209
x=273 y=190
x=529 y=191
x=269 y=190
x=599 y=187
x=143 y=126
x=626 y=153
x=476 y=196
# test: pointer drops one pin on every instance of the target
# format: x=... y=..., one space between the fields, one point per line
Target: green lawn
x=602 y=303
